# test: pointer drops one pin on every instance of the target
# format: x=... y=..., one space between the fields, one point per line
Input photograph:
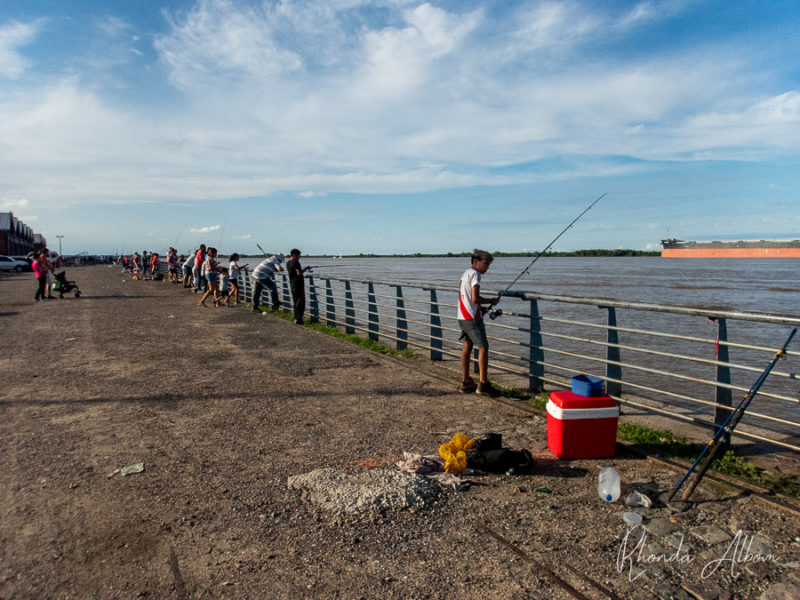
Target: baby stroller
x=62 y=286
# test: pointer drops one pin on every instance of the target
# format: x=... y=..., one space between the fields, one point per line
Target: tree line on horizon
x=587 y=252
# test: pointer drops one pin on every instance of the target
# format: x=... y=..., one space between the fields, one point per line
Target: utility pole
x=59 y=243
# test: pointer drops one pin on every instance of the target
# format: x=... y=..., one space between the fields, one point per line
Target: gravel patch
x=366 y=492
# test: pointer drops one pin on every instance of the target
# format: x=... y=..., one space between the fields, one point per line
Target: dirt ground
x=223 y=405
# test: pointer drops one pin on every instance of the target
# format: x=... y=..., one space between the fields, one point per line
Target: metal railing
x=656 y=358
x=680 y=362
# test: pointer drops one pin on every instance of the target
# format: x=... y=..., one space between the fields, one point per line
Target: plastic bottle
x=608 y=485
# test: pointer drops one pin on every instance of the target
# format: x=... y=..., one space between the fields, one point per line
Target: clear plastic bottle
x=608 y=484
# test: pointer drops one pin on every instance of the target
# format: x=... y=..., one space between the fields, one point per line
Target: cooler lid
x=566 y=399
x=581 y=414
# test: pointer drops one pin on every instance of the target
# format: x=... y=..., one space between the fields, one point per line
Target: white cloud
x=13 y=36
x=442 y=32
x=9 y=204
x=773 y=122
x=646 y=12
x=206 y=229
x=291 y=96
x=218 y=37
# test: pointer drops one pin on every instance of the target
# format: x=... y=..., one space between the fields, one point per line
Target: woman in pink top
x=40 y=268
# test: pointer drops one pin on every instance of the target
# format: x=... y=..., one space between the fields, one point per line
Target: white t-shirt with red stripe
x=467 y=309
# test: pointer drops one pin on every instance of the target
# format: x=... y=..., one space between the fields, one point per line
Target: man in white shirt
x=264 y=274
x=470 y=320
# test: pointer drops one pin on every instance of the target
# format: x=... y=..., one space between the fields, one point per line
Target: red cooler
x=581 y=426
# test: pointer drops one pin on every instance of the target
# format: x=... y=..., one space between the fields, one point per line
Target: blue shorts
x=212 y=277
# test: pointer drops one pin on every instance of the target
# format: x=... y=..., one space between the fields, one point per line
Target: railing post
x=349 y=309
x=536 y=369
x=287 y=298
x=314 y=300
x=373 y=312
x=436 y=328
x=613 y=388
x=402 y=323
x=723 y=395
x=245 y=282
x=330 y=307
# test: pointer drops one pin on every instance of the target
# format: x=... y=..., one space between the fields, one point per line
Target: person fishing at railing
x=297 y=283
x=473 y=329
x=264 y=275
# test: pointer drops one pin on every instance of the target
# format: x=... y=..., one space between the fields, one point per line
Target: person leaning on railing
x=264 y=275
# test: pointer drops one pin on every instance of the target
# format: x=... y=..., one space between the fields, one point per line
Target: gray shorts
x=475 y=331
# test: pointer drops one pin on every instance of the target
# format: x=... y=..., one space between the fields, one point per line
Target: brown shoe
x=467 y=387
x=487 y=389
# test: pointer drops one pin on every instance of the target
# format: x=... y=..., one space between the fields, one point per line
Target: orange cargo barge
x=743 y=249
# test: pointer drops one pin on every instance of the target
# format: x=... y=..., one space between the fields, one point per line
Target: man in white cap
x=264 y=274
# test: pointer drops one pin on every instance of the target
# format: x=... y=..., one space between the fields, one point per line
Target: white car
x=8 y=263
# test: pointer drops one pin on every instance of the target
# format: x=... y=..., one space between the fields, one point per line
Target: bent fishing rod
x=713 y=447
x=497 y=312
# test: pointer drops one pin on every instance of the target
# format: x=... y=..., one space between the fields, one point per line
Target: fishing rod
x=498 y=312
x=332 y=266
x=728 y=426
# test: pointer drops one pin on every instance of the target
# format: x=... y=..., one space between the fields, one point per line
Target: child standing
x=470 y=320
x=233 y=273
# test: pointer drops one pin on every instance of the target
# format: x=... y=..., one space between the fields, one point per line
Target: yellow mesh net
x=454 y=453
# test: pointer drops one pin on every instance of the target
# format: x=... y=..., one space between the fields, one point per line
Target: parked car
x=9 y=263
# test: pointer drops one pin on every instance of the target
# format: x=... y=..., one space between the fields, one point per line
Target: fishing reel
x=493 y=314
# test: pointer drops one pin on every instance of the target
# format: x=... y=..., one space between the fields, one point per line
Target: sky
x=399 y=126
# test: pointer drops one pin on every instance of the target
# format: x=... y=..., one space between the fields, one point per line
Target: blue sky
x=399 y=126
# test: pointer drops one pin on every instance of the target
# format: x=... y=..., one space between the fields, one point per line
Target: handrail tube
x=705 y=361
x=733 y=387
x=669 y=308
x=664 y=308
x=654 y=333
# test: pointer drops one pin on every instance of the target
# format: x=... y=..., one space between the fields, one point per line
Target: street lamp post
x=59 y=244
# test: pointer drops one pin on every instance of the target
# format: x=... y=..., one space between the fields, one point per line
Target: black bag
x=489 y=441
x=514 y=462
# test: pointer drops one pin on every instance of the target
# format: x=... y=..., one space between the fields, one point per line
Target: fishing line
x=497 y=312
x=221 y=235
x=180 y=233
